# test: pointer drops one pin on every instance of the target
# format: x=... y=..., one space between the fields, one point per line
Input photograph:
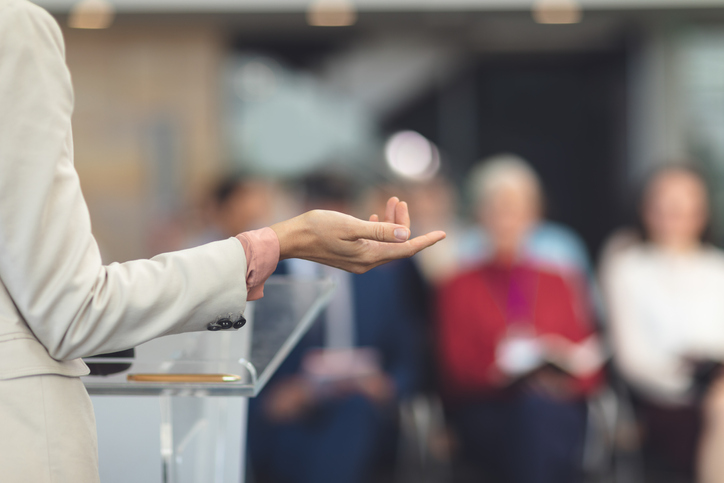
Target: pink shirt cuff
x=262 y=255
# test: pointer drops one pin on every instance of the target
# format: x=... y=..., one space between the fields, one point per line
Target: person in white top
x=667 y=321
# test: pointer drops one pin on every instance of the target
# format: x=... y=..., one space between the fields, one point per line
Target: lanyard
x=521 y=294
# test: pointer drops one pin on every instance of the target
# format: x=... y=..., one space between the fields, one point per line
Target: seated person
x=518 y=353
x=328 y=415
x=667 y=322
x=548 y=243
x=237 y=201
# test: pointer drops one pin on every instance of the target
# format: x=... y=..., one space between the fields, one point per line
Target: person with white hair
x=517 y=345
x=547 y=242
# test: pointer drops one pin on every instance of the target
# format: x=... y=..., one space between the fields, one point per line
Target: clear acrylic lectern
x=188 y=431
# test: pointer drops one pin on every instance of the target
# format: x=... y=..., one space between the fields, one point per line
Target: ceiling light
x=557 y=11
x=91 y=14
x=331 y=13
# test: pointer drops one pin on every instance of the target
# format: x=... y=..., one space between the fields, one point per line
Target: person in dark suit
x=329 y=414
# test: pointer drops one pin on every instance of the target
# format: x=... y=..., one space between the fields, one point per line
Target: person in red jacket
x=517 y=349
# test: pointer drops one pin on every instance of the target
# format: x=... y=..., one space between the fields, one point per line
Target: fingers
x=382 y=253
x=382 y=232
x=397 y=212
x=374 y=218
x=424 y=241
x=402 y=214
x=388 y=252
x=390 y=209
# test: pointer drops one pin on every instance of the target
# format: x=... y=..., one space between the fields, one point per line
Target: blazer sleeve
x=49 y=261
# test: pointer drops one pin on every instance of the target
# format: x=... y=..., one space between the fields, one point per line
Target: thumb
x=383 y=232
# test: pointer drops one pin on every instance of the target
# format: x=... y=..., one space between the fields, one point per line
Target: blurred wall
x=150 y=109
x=145 y=129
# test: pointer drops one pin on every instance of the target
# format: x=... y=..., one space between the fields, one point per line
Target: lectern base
x=171 y=439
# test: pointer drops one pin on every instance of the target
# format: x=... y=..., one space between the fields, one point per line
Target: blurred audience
x=517 y=348
x=329 y=414
x=237 y=202
x=667 y=325
x=547 y=243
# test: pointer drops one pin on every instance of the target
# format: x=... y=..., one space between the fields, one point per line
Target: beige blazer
x=58 y=302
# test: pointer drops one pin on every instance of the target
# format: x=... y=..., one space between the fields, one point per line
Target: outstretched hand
x=345 y=242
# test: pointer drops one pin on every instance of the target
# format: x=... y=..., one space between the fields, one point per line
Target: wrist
x=291 y=237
